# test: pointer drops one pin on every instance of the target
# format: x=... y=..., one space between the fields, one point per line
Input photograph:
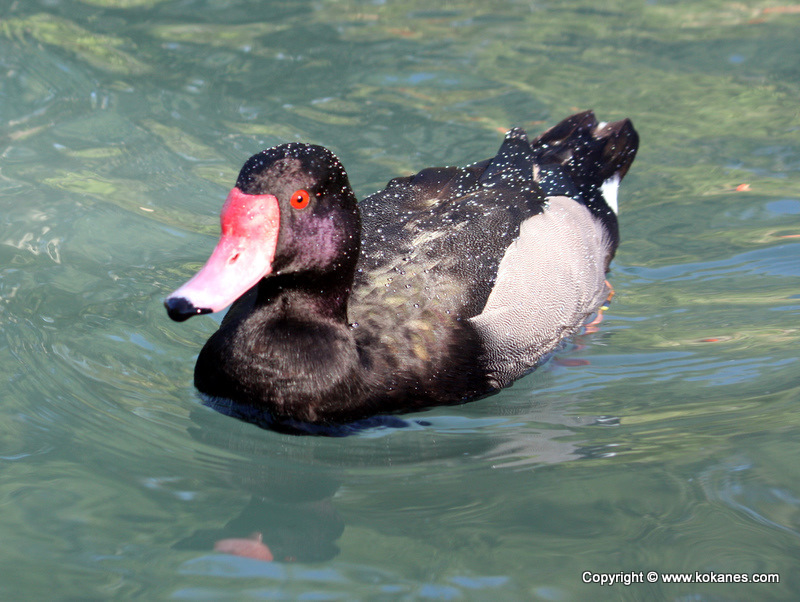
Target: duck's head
x=292 y=211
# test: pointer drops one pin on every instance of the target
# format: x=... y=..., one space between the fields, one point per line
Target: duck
x=444 y=287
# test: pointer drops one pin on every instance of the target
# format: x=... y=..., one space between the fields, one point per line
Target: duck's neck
x=303 y=297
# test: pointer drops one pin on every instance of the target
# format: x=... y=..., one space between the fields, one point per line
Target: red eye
x=300 y=199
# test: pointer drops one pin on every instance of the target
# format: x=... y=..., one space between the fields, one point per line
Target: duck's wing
x=438 y=236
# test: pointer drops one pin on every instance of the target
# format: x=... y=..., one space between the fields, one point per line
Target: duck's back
x=444 y=230
x=472 y=275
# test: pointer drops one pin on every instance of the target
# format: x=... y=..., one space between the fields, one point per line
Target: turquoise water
x=665 y=442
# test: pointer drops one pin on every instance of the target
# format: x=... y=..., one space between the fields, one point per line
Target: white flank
x=549 y=279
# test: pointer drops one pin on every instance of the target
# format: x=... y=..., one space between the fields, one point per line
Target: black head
x=293 y=215
x=319 y=227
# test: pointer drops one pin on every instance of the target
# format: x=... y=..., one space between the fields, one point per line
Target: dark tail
x=592 y=156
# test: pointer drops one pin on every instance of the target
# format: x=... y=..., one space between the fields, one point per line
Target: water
x=667 y=441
